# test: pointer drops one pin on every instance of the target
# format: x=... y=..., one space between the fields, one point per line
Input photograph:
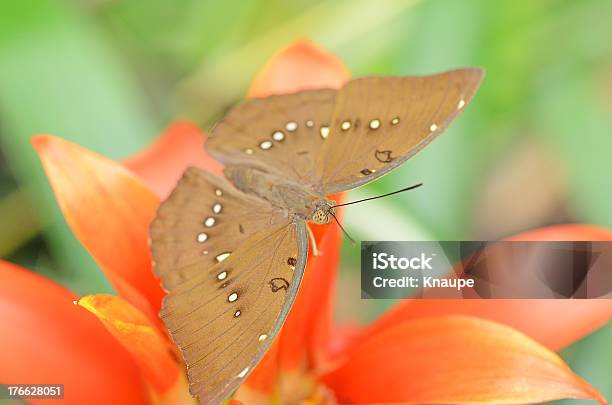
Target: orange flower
x=125 y=357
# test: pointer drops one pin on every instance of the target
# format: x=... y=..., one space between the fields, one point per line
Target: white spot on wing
x=265 y=145
x=232 y=297
x=263 y=337
x=324 y=132
x=461 y=104
x=278 y=136
x=375 y=124
x=222 y=256
x=201 y=238
x=346 y=125
x=209 y=222
x=222 y=275
x=243 y=372
x=291 y=126
x=217 y=208
x=433 y=127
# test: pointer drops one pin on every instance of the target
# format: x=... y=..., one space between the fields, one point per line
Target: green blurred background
x=533 y=149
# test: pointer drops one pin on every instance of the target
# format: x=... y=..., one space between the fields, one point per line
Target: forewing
x=281 y=132
x=203 y=220
x=380 y=122
x=225 y=318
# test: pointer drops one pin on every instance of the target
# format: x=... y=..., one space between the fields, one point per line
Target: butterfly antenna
x=341 y=227
x=379 y=196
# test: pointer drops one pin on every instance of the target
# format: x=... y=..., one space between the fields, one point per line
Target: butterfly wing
x=342 y=139
x=281 y=132
x=204 y=218
x=380 y=122
x=224 y=314
x=225 y=318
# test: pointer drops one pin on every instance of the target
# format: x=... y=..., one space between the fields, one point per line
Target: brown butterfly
x=231 y=251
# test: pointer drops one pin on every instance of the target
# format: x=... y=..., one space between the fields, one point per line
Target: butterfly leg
x=313 y=242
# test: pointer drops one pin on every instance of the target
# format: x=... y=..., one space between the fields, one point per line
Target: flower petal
x=163 y=163
x=151 y=349
x=109 y=210
x=262 y=385
x=569 y=232
x=537 y=318
x=455 y=360
x=302 y=65
x=46 y=339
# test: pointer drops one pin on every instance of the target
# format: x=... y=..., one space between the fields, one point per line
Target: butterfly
x=231 y=251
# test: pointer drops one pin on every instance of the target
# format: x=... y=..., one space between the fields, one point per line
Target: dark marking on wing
x=366 y=172
x=383 y=156
x=240 y=228
x=278 y=283
x=304 y=152
x=292 y=261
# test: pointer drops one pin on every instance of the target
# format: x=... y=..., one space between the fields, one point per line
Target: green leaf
x=578 y=126
x=591 y=359
x=325 y=22
x=59 y=76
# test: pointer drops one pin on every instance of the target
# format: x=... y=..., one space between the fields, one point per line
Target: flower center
x=295 y=388
x=302 y=389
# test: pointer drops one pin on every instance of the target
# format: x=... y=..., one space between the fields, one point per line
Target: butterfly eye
x=320 y=217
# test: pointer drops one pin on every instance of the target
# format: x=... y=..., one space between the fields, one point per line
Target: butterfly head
x=323 y=212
